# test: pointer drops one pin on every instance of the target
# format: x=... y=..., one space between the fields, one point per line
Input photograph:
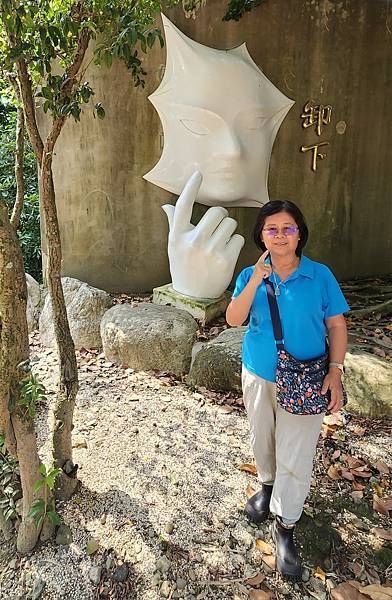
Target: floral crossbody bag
x=298 y=382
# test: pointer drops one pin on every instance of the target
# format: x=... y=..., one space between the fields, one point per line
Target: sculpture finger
x=185 y=202
x=223 y=233
x=210 y=221
x=234 y=246
x=169 y=210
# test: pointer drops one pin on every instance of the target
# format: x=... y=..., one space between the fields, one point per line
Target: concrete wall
x=336 y=52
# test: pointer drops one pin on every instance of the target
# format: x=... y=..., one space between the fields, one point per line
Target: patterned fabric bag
x=298 y=382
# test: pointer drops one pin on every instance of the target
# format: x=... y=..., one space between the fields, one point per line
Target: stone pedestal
x=202 y=309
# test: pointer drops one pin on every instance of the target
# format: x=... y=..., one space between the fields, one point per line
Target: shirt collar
x=305 y=267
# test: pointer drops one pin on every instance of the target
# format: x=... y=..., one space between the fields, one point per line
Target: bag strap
x=275 y=317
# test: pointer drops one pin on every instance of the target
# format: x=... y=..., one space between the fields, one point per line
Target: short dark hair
x=272 y=208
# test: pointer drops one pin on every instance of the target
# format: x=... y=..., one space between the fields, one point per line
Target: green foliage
x=31 y=393
x=237 y=8
x=29 y=229
x=10 y=486
x=43 y=507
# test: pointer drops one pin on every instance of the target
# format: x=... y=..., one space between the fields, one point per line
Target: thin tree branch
x=19 y=158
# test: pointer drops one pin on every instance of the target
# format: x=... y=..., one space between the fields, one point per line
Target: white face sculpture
x=220 y=116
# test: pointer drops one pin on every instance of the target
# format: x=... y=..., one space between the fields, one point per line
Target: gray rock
x=109 y=563
x=121 y=572
x=368 y=381
x=64 y=535
x=163 y=564
x=181 y=583
x=318 y=588
x=34 y=302
x=85 y=305
x=165 y=589
x=169 y=527
x=38 y=588
x=149 y=337
x=216 y=365
x=95 y=574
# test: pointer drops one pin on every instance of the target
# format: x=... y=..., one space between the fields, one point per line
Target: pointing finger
x=169 y=210
x=185 y=202
x=264 y=255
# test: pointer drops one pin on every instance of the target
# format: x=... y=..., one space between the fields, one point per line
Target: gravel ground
x=161 y=492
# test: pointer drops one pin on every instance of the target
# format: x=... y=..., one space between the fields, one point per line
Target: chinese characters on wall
x=317 y=116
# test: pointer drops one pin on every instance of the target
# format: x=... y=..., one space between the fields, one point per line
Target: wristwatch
x=339 y=366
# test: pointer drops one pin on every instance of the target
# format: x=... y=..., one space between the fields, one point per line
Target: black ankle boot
x=257 y=507
x=288 y=563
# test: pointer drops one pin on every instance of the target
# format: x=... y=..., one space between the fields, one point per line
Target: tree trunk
x=68 y=383
x=14 y=352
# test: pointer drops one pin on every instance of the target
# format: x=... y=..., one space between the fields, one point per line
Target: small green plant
x=44 y=507
x=10 y=487
x=237 y=8
x=31 y=393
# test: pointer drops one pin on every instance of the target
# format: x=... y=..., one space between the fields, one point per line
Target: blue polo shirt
x=309 y=296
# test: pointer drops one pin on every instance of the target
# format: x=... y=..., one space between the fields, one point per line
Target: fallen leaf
x=320 y=574
x=384 y=534
x=364 y=474
x=382 y=467
x=380 y=506
x=270 y=561
x=347 y=474
x=333 y=419
x=358 y=486
x=335 y=455
x=334 y=473
x=327 y=430
x=377 y=592
x=261 y=595
x=248 y=468
x=354 y=462
x=226 y=409
x=264 y=547
x=346 y=591
x=357 y=496
x=356 y=569
x=256 y=580
x=359 y=430
x=250 y=491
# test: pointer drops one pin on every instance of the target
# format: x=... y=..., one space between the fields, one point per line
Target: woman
x=311 y=305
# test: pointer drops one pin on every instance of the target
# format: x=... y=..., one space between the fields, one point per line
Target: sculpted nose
x=229 y=144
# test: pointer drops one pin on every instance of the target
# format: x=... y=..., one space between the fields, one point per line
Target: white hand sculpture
x=202 y=258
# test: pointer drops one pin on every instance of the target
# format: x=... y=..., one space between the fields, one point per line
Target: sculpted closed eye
x=195 y=126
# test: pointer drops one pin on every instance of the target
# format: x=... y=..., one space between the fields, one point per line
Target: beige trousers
x=283 y=445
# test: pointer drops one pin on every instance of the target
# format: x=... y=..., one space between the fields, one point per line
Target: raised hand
x=262 y=269
x=202 y=258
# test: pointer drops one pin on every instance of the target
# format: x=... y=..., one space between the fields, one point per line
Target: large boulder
x=85 y=305
x=34 y=300
x=216 y=365
x=368 y=381
x=149 y=337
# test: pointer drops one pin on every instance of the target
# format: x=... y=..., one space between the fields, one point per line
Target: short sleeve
x=334 y=301
x=241 y=282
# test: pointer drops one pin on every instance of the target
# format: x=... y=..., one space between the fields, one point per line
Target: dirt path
x=162 y=490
